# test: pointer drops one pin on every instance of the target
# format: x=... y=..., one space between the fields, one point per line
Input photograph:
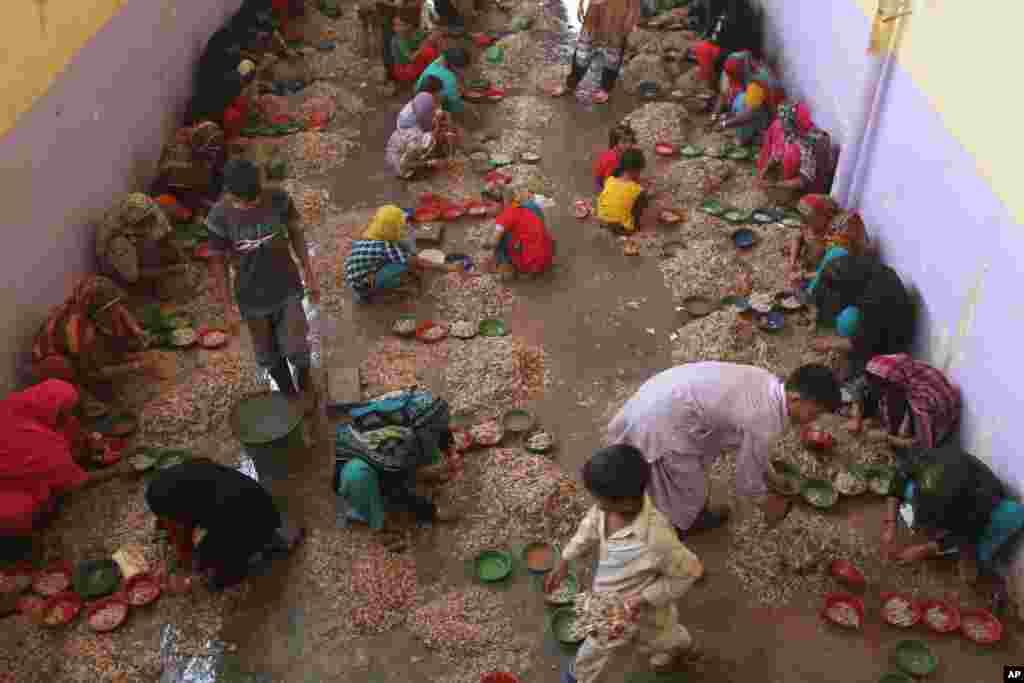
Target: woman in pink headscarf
x=419 y=133
x=797 y=156
x=39 y=441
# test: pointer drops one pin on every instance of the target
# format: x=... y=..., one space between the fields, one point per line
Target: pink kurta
x=682 y=418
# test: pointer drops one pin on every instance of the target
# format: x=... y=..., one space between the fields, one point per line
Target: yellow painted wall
x=965 y=57
x=38 y=39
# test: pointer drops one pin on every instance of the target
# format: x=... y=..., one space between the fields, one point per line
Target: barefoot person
x=964 y=511
x=390 y=445
x=260 y=230
x=521 y=241
x=640 y=558
x=41 y=443
x=682 y=418
x=238 y=516
x=384 y=261
x=607 y=25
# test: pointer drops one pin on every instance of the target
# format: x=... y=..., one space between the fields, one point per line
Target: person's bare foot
x=601 y=96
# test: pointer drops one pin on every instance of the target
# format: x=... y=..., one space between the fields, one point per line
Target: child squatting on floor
x=640 y=558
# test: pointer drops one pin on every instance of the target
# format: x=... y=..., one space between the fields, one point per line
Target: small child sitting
x=410 y=59
x=623 y=199
x=609 y=164
x=640 y=558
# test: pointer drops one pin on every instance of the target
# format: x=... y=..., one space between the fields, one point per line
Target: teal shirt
x=451 y=100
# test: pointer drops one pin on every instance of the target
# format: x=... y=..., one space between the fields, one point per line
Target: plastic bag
x=178 y=668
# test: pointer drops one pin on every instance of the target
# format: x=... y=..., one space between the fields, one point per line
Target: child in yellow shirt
x=623 y=199
x=640 y=558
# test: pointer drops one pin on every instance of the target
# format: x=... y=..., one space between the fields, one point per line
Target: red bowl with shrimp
x=843 y=609
x=981 y=626
x=847 y=572
x=454 y=213
x=426 y=214
x=939 y=616
x=900 y=610
x=107 y=615
x=665 y=149
x=141 y=590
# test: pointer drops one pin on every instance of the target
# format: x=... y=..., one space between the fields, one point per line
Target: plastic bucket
x=270 y=429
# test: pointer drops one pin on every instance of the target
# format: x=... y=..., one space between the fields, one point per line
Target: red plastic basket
x=665 y=149
x=983 y=619
x=952 y=611
x=454 y=213
x=837 y=599
x=142 y=590
x=846 y=572
x=499 y=677
x=426 y=214
x=62 y=568
x=426 y=325
x=915 y=609
x=110 y=603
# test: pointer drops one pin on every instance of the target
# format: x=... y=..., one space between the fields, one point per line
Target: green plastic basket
x=493 y=565
x=561 y=622
x=914 y=657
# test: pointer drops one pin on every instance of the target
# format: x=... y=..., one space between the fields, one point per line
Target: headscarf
x=388 y=224
x=212 y=496
x=36 y=460
x=820 y=206
x=842 y=283
x=934 y=401
x=795 y=122
x=795 y=118
x=954 y=491
x=140 y=216
x=740 y=67
x=707 y=53
x=418 y=113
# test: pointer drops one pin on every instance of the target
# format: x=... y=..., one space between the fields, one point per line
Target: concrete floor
x=568 y=314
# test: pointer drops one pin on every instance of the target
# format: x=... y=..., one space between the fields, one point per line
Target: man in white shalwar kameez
x=682 y=419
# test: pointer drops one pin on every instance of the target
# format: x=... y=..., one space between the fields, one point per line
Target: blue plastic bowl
x=772 y=322
x=744 y=238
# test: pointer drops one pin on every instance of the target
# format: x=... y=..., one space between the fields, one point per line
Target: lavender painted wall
x=94 y=136
x=938 y=220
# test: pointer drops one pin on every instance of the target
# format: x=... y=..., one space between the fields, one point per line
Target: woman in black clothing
x=238 y=515
x=731 y=25
x=963 y=509
x=866 y=301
